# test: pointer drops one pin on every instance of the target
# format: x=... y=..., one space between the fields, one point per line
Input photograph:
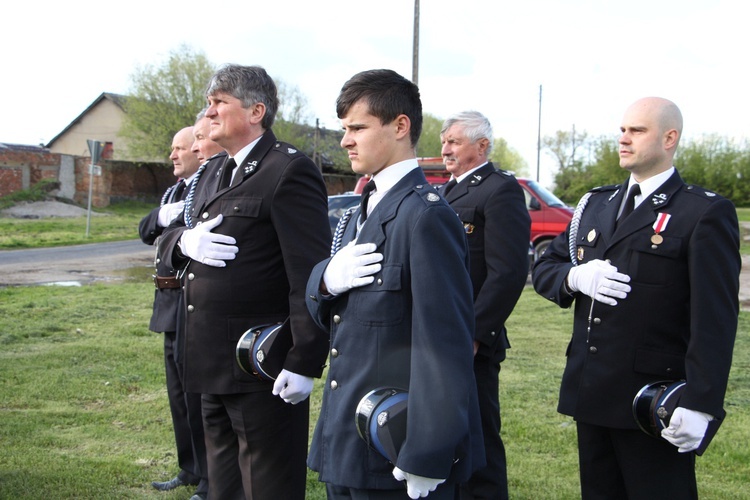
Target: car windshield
x=549 y=198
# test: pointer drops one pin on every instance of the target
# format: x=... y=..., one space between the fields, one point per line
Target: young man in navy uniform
x=655 y=278
x=396 y=299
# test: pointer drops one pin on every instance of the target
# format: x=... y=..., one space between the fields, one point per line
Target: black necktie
x=369 y=188
x=450 y=185
x=179 y=190
x=634 y=191
x=226 y=173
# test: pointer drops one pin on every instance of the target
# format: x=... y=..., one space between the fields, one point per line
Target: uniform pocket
x=381 y=303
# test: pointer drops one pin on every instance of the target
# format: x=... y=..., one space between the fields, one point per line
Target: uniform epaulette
x=287 y=149
x=428 y=193
x=603 y=189
x=702 y=192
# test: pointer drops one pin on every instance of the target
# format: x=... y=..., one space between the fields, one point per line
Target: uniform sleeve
x=506 y=252
x=551 y=269
x=442 y=377
x=714 y=264
x=300 y=216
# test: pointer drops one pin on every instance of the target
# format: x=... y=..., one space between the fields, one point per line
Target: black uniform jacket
x=492 y=207
x=166 y=301
x=678 y=322
x=278 y=216
x=412 y=329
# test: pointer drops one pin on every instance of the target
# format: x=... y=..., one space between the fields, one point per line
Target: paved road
x=79 y=263
x=76 y=252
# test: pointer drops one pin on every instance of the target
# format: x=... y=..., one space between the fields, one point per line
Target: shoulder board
x=428 y=193
x=500 y=171
x=702 y=192
x=287 y=149
x=603 y=189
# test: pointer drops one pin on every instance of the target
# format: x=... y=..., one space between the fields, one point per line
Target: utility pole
x=95 y=148
x=415 y=47
x=539 y=134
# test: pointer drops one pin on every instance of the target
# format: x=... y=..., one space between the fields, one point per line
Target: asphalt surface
x=77 y=264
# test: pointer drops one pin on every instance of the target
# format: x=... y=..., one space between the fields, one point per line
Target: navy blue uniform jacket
x=679 y=320
x=412 y=328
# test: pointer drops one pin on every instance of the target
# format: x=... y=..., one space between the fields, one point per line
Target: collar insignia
x=659 y=199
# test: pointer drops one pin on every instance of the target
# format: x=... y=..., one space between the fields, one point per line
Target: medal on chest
x=662 y=219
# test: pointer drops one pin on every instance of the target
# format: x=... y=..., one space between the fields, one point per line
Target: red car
x=549 y=215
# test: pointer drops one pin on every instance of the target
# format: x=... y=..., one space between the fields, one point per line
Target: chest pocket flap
x=587 y=236
x=241 y=206
x=465 y=214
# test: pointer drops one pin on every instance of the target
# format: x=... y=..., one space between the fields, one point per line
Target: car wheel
x=540 y=248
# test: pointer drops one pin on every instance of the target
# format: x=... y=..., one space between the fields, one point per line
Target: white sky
x=591 y=57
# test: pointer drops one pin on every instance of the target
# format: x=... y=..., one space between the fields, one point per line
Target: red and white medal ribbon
x=660 y=225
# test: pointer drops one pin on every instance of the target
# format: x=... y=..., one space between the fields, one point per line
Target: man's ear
x=403 y=126
x=671 y=137
x=256 y=112
x=483 y=143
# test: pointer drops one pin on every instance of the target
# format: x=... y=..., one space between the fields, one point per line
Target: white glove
x=417 y=486
x=352 y=266
x=292 y=388
x=201 y=245
x=686 y=429
x=600 y=281
x=169 y=212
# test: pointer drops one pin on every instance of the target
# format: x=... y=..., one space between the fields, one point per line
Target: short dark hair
x=249 y=84
x=388 y=95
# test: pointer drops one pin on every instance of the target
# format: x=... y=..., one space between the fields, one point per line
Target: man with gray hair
x=260 y=225
x=491 y=205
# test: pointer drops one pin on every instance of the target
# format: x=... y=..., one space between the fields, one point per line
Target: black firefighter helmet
x=655 y=403
x=381 y=420
x=262 y=350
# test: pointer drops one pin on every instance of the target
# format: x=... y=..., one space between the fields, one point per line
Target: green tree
x=563 y=145
x=162 y=100
x=507 y=158
x=429 y=142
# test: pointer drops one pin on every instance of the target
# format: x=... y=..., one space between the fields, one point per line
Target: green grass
x=84 y=411
x=117 y=222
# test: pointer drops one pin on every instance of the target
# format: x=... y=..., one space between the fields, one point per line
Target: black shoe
x=169 y=485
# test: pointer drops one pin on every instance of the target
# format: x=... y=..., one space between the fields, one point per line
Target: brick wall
x=119 y=180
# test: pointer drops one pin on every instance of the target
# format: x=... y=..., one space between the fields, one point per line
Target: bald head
x=651 y=130
x=665 y=112
x=184 y=160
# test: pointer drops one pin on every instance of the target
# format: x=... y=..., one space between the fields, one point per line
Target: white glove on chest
x=208 y=248
x=600 y=281
x=351 y=267
x=169 y=212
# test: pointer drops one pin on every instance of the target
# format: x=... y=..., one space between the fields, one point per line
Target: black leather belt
x=162 y=282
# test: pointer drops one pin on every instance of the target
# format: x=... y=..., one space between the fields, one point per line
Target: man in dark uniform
x=259 y=224
x=185 y=407
x=655 y=280
x=397 y=301
x=491 y=205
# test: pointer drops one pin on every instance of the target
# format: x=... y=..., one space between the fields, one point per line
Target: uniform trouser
x=256 y=446
x=629 y=464
x=187 y=420
x=445 y=491
x=491 y=481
